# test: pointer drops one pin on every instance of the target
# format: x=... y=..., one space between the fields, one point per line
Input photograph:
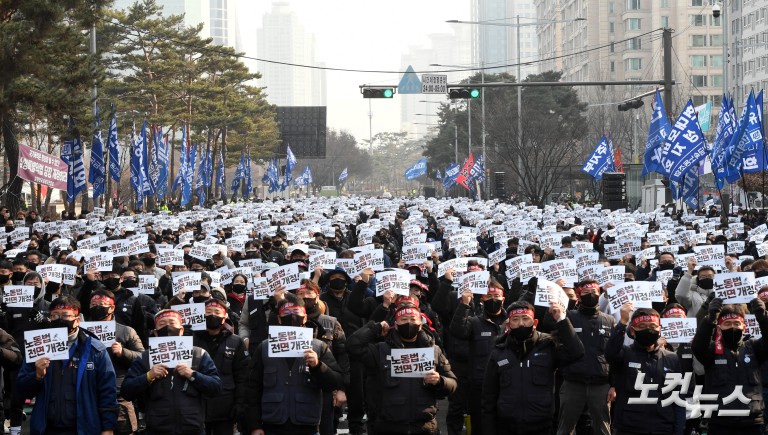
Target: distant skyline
x=360 y=35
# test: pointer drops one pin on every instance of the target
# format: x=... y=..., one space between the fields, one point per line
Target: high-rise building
x=219 y=17
x=282 y=37
x=494 y=38
x=450 y=50
x=748 y=48
x=620 y=40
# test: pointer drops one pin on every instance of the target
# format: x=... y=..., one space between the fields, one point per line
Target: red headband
x=406 y=300
x=289 y=305
x=306 y=287
x=168 y=313
x=66 y=307
x=492 y=289
x=673 y=311
x=643 y=318
x=474 y=269
x=407 y=311
x=729 y=316
x=98 y=298
x=519 y=311
x=215 y=302
x=588 y=286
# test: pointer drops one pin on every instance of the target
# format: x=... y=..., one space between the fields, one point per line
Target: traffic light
x=634 y=104
x=382 y=92
x=463 y=93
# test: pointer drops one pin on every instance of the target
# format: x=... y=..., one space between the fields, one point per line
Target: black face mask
x=18 y=276
x=337 y=284
x=130 y=283
x=148 y=261
x=251 y=254
x=522 y=333
x=213 y=322
x=731 y=337
x=310 y=304
x=99 y=313
x=666 y=266
x=200 y=299
x=52 y=287
x=167 y=331
x=238 y=288
x=38 y=290
x=408 y=330
x=8 y=229
x=759 y=274
x=4 y=279
x=112 y=283
x=266 y=246
x=571 y=304
x=707 y=283
x=492 y=306
x=292 y=320
x=629 y=279
x=32 y=266
x=61 y=323
x=589 y=300
x=646 y=337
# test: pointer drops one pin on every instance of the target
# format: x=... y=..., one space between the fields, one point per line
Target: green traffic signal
x=379 y=92
x=388 y=93
x=474 y=93
x=463 y=93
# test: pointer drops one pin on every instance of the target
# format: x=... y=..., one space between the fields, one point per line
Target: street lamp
x=517 y=25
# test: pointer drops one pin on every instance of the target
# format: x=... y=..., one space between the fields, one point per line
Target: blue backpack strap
x=83 y=363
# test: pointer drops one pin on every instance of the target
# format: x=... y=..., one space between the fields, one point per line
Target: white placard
x=192 y=315
x=416 y=254
x=260 y=288
x=640 y=293
x=288 y=342
x=753 y=329
x=528 y=271
x=170 y=351
x=105 y=331
x=42 y=343
x=373 y=258
x=185 y=282
x=21 y=296
x=101 y=261
x=411 y=363
x=397 y=280
x=548 y=292
x=678 y=330
x=476 y=282
x=147 y=284
x=513 y=265
x=325 y=259
x=286 y=276
x=560 y=269
x=735 y=287
x=170 y=257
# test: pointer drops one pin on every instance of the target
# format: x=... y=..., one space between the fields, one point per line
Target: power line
x=326 y=68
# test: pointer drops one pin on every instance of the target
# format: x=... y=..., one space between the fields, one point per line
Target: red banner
x=43 y=168
x=617 y=163
x=465 y=170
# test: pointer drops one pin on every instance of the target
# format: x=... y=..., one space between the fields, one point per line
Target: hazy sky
x=360 y=34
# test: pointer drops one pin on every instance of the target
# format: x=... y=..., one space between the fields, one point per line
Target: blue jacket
x=96 y=395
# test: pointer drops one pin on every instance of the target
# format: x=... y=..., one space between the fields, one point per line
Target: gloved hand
x=715 y=306
x=532 y=284
x=757 y=307
x=37 y=317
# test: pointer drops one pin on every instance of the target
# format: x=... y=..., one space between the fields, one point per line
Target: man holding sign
x=520 y=375
x=284 y=394
x=87 y=371
x=404 y=404
x=481 y=332
x=173 y=396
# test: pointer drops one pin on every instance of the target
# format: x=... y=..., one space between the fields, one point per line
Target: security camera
x=716 y=10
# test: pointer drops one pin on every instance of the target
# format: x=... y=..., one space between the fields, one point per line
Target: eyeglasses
x=57 y=316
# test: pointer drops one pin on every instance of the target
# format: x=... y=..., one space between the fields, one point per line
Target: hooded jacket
x=690 y=295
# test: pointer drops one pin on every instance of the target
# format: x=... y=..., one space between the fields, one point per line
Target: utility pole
x=667 y=42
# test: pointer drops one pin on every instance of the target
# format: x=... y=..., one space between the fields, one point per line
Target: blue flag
x=220 y=169
x=137 y=180
x=754 y=158
x=746 y=137
x=96 y=174
x=726 y=125
x=189 y=175
x=154 y=165
x=239 y=174
x=449 y=180
x=72 y=154
x=162 y=162
x=290 y=163
x=415 y=171
x=478 y=170
x=147 y=184
x=182 y=160
x=657 y=134
x=343 y=175
x=114 y=152
x=305 y=178
x=684 y=147
x=600 y=161
x=438 y=175
x=690 y=188
x=202 y=176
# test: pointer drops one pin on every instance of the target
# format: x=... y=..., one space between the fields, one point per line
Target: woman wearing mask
x=236 y=293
